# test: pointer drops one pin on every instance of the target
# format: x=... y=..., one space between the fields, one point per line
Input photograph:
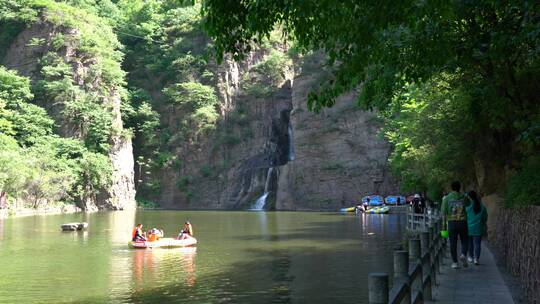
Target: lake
x=241 y=257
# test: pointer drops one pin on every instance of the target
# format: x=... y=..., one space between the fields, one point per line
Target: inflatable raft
x=374 y=200
x=350 y=209
x=378 y=210
x=164 y=243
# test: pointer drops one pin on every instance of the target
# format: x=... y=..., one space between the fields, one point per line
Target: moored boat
x=164 y=243
x=374 y=200
x=350 y=209
x=378 y=210
x=393 y=200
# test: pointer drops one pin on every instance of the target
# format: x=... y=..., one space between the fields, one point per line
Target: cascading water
x=261 y=201
x=291 y=143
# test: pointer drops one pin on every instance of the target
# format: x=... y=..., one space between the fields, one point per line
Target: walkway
x=482 y=284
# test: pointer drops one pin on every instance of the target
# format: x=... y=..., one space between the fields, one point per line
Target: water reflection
x=118 y=231
x=242 y=257
x=281 y=288
x=1 y=229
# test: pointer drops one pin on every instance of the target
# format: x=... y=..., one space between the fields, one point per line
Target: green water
x=242 y=257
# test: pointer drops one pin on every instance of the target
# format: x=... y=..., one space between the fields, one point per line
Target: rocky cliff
x=269 y=147
x=339 y=155
x=44 y=41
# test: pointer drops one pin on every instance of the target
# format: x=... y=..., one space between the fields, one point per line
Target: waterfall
x=261 y=201
x=291 y=142
x=259 y=204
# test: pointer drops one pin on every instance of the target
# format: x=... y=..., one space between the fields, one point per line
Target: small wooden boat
x=164 y=243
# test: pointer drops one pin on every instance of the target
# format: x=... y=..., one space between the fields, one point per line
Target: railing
x=418 y=222
x=412 y=283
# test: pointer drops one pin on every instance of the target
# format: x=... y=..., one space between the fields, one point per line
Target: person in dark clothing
x=417 y=204
x=455 y=217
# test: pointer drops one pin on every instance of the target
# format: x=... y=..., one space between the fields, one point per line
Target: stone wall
x=516 y=237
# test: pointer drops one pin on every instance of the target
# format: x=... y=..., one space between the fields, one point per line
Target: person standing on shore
x=455 y=217
x=476 y=225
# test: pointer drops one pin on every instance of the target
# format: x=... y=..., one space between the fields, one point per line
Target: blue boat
x=374 y=200
x=393 y=200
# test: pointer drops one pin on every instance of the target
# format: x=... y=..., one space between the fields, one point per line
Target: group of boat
x=376 y=204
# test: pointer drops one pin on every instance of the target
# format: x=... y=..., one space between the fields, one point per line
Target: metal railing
x=418 y=222
x=415 y=270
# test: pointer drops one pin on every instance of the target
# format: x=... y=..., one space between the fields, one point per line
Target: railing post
x=378 y=288
x=401 y=264
x=426 y=290
x=424 y=241
x=414 y=250
x=436 y=253
x=401 y=272
x=426 y=265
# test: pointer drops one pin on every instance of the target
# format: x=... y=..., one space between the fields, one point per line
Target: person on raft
x=137 y=235
x=186 y=231
x=362 y=208
x=154 y=234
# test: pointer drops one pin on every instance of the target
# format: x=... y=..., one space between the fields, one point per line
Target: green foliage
x=404 y=58
x=12 y=166
x=51 y=170
x=26 y=122
x=206 y=171
x=198 y=101
x=139 y=115
x=183 y=183
x=191 y=94
x=524 y=187
x=273 y=66
x=37 y=166
x=255 y=88
x=146 y=204
x=429 y=126
x=265 y=76
x=163 y=159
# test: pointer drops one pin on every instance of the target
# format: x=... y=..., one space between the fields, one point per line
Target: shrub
x=183 y=183
x=192 y=94
x=273 y=66
x=524 y=187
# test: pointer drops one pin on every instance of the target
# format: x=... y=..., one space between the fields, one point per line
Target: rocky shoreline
x=49 y=210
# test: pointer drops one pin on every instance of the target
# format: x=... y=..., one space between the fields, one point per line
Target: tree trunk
x=3 y=200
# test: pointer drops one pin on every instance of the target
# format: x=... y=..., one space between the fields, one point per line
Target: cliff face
x=339 y=156
x=227 y=167
x=25 y=56
x=273 y=145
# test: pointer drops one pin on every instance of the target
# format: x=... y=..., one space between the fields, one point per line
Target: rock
x=74 y=226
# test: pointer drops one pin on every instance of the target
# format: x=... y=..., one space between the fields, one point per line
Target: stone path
x=482 y=284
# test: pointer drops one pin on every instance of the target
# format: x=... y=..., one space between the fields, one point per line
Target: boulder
x=74 y=226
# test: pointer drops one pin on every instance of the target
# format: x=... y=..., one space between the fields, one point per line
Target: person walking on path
x=455 y=217
x=476 y=226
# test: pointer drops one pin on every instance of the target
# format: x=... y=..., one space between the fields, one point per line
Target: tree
x=384 y=49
